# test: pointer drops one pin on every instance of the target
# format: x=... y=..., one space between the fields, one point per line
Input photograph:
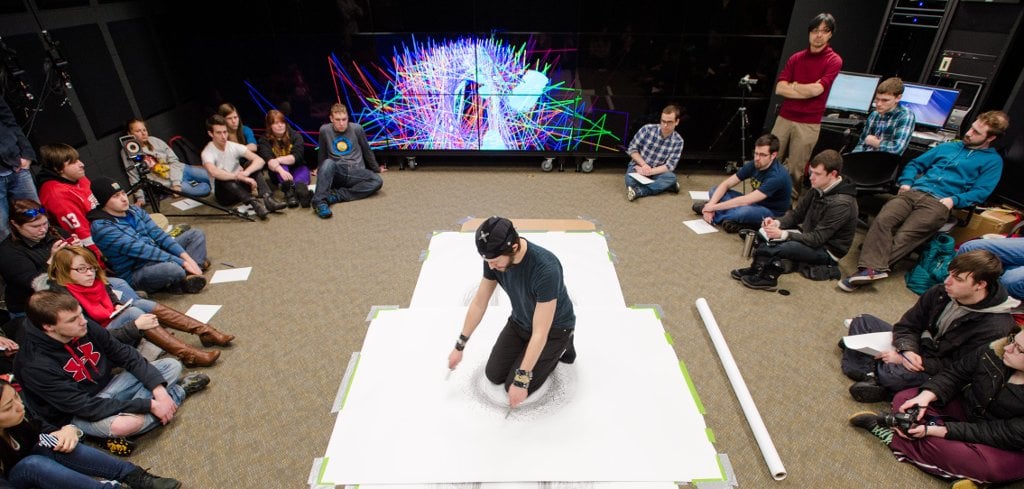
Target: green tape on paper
x=352 y=379
x=320 y=476
x=668 y=337
x=711 y=435
x=693 y=389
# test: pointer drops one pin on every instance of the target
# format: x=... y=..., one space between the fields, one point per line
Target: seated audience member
x=969 y=419
x=136 y=249
x=282 y=149
x=24 y=254
x=128 y=317
x=164 y=166
x=347 y=169
x=654 y=153
x=890 y=125
x=66 y=192
x=16 y=156
x=66 y=369
x=949 y=321
x=769 y=197
x=1010 y=252
x=26 y=463
x=237 y=132
x=818 y=232
x=233 y=181
x=951 y=175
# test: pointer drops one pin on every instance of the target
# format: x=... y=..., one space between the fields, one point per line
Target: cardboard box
x=996 y=220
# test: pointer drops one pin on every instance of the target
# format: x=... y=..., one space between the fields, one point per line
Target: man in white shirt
x=234 y=181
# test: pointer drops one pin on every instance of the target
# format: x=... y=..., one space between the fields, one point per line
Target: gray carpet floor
x=302 y=313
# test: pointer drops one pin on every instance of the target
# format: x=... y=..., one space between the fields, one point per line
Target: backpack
x=934 y=264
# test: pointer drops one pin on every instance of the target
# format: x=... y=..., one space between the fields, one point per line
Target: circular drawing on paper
x=559 y=387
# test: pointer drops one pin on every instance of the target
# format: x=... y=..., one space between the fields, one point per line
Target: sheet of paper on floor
x=202 y=312
x=700 y=195
x=231 y=275
x=700 y=226
x=602 y=419
x=185 y=204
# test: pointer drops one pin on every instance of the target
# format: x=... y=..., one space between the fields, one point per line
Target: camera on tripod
x=133 y=149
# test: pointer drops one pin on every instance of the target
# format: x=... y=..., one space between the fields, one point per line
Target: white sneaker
x=630 y=194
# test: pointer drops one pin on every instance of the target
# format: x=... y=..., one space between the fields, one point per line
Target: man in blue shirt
x=952 y=175
x=889 y=127
x=654 y=153
x=770 y=196
x=539 y=332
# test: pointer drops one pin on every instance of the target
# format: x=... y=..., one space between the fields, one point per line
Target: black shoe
x=192 y=284
x=869 y=391
x=119 y=446
x=761 y=281
x=259 y=209
x=273 y=205
x=141 y=479
x=674 y=188
x=305 y=197
x=867 y=420
x=739 y=273
x=289 y=194
x=569 y=355
x=193 y=383
x=698 y=207
x=733 y=227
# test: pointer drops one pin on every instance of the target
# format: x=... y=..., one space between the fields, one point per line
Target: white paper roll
x=764 y=440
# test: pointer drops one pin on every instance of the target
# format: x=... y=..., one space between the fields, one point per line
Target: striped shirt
x=655 y=149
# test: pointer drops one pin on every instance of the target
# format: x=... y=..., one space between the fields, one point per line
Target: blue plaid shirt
x=656 y=150
x=893 y=127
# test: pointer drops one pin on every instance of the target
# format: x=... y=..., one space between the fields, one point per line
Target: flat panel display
x=931 y=105
x=852 y=92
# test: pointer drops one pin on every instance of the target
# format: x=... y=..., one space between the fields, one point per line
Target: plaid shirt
x=656 y=150
x=893 y=127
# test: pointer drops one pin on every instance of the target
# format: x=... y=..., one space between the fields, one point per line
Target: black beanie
x=495 y=236
x=103 y=188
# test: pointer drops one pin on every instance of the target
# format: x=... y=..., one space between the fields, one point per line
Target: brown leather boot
x=188 y=355
x=176 y=320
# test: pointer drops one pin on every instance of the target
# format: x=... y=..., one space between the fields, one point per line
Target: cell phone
x=120 y=308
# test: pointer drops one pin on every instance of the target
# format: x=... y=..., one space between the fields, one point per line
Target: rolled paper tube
x=764 y=440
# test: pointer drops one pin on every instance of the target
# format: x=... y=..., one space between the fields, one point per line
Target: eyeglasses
x=33 y=213
x=85 y=269
x=762 y=155
x=1013 y=341
x=667 y=122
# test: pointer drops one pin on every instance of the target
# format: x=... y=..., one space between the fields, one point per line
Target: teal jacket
x=968 y=176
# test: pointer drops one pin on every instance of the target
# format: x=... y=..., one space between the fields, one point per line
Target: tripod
x=152 y=191
x=741 y=114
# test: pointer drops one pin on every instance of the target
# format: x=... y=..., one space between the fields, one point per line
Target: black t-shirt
x=538 y=278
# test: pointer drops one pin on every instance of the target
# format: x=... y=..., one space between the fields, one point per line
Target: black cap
x=495 y=236
x=104 y=188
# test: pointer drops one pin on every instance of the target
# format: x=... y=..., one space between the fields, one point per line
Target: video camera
x=133 y=150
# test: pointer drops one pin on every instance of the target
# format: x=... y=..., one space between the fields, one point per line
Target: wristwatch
x=522 y=378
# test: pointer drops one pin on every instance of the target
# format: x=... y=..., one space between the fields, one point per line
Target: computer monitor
x=931 y=105
x=852 y=92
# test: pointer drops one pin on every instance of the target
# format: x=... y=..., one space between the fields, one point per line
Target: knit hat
x=495 y=236
x=103 y=188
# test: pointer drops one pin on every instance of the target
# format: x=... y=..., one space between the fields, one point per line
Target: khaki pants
x=796 y=141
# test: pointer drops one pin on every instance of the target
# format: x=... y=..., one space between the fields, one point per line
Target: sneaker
x=674 y=188
x=193 y=383
x=760 y=282
x=698 y=207
x=967 y=484
x=869 y=391
x=119 y=446
x=323 y=211
x=141 y=479
x=630 y=194
x=872 y=422
x=193 y=284
x=864 y=275
x=733 y=227
x=739 y=273
x=846 y=286
x=333 y=198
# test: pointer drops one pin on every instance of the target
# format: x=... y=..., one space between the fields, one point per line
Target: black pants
x=231 y=192
x=508 y=351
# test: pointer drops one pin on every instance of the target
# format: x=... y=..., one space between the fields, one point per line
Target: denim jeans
x=159 y=276
x=15 y=185
x=661 y=183
x=344 y=183
x=47 y=469
x=195 y=174
x=752 y=214
x=893 y=376
x=127 y=292
x=125 y=386
x=1010 y=251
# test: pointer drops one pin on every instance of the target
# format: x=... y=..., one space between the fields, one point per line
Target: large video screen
x=473 y=93
x=931 y=105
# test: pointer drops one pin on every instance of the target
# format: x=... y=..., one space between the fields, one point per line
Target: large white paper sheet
x=870 y=343
x=231 y=275
x=601 y=419
x=452 y=270
x=202 y=312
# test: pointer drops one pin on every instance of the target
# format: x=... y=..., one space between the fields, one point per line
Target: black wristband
x=521 y=385
x=460 y=346
x=463 y=338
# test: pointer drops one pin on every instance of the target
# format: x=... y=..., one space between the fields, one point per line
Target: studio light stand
x=153 y=190
x=746 y=85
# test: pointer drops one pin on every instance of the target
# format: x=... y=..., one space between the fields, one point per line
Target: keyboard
x=836 y=121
